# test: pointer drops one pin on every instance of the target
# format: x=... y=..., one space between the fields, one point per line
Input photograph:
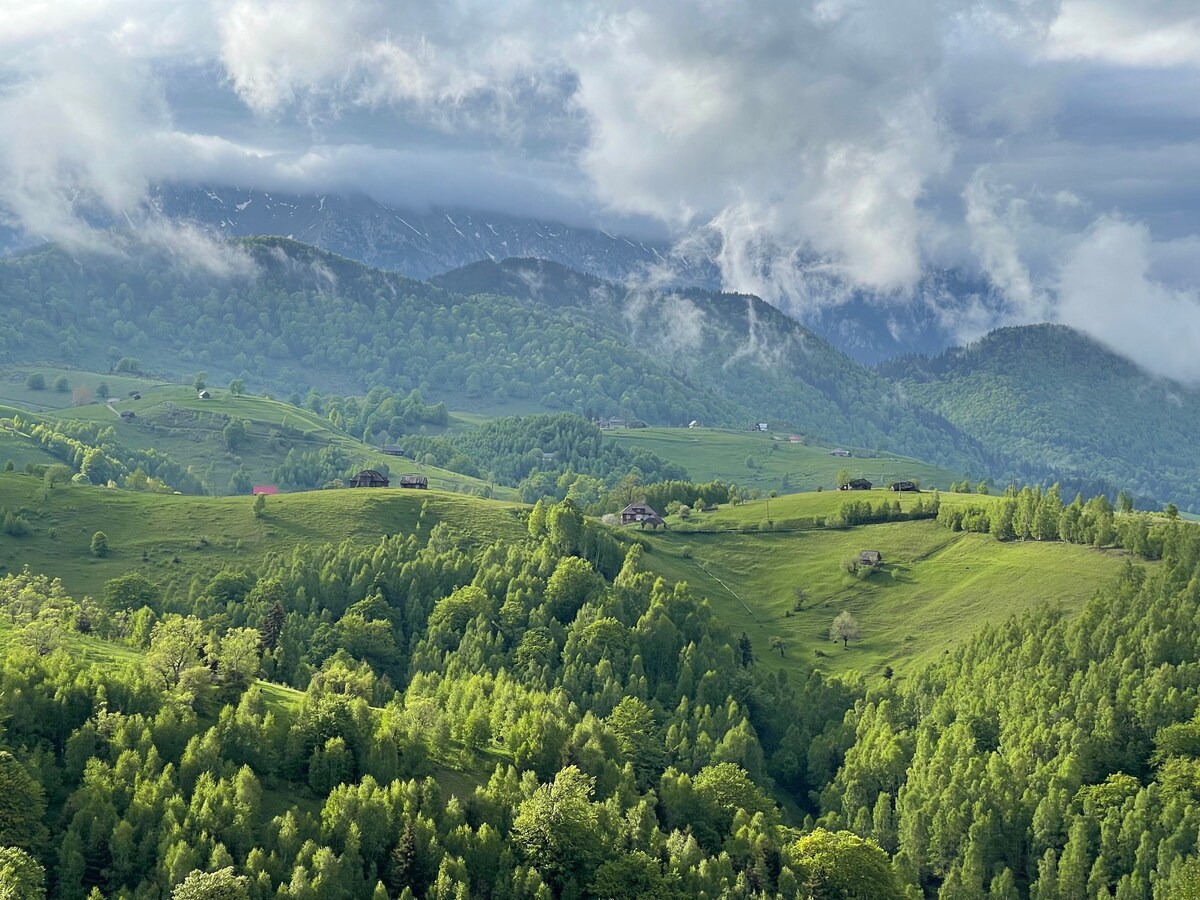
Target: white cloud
x=812 y=148
x=1155 y=33
x=1107 y=289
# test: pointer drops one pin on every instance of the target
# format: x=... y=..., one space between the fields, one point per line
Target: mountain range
x=422 y=243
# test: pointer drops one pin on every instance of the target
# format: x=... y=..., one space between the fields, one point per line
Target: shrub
x=36 y=382
x=99 y=544
x=61 y=384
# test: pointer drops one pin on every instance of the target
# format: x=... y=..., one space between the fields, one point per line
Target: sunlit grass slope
x=935 y=589
x=778 y=465
x=175 y=421
x=172 y=537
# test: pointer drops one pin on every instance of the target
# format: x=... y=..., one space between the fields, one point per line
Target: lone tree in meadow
x=845 y=629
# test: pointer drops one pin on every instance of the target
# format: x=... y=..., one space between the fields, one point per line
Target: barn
x=369 y=478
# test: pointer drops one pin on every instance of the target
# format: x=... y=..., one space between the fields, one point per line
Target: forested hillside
x=1062 y=756
x=290 y=318
x=745 y=349
x=1050 y=396
x=565 y=725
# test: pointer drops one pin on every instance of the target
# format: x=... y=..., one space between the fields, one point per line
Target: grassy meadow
x=171 y=537
x=778 y=464
x=175 y=421
x=935 y=589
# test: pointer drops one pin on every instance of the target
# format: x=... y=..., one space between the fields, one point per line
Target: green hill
x=741 y=348
x=772 y=462
x=172 y=537
x=274 y=438
x=936 y=588
x=1052 y=397
x=289 y=318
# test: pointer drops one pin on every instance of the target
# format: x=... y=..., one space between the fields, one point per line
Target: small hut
x=872 y=558
x=203 y=395
x=264 y=489
x=416 y=482
x=903 y=486
x=653 y=521
x=127 y=415
x=369 y=478
x=856 y=484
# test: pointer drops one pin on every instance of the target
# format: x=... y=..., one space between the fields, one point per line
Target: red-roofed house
x=264 y=489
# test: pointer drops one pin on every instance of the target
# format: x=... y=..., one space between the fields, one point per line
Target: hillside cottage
x=264 y=489
x=856 y=484
x=872 y=558
x=842 y=453
x=638 y=512
x=369 y=478
x=394 y=450
x=127 y=415
x=203 y=395
x=903 y=486
x=695 y=423
x=414 y=482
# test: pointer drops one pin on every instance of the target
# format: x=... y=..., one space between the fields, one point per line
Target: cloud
x=813 y=151
x=1107 y=289
x=1157 y=33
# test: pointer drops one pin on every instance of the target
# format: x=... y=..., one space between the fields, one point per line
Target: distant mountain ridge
x=1053 y=396
x=425 y=243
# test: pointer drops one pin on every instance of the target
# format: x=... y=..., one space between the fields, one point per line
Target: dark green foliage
x=36 y=382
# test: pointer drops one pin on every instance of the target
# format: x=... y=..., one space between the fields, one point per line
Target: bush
x=99 y=544
x=61 y=384
x=15 y=526
x=36 y=382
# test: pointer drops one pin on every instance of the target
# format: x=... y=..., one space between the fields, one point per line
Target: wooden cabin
x=369 y=478
x=417 y=482
x=203 y=395
x=872 y=558
x=841 y=453
x=903 y=486
x=638 y=512
x=856 y=484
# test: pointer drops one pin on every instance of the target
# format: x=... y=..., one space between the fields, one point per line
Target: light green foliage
x=21 y=876
x=176 y=648
x=220 y=885
x=22 y=805
x=558 y=828
x=842 y=864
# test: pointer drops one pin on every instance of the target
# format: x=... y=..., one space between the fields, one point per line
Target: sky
x=1048 y=147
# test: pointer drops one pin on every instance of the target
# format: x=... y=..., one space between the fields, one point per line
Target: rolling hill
x=1050 y=396
x=286 y=317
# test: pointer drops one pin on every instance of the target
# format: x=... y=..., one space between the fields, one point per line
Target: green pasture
x=175 y=421
x=778 y=464
x=935 y=589
x=171 y=537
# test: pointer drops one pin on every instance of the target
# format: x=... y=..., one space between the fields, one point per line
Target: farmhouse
x=695 y=423
x=856 y=484
x=638 y=512
x=369 y=478
x=417 y=482
x=872 y=558
x=203 y=395
x=839 y=453
x=903 y=486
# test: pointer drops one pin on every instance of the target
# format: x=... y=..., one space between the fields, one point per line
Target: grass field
x=779 y=465
x=173 y=420
x=936 y=587
x=170 y=537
